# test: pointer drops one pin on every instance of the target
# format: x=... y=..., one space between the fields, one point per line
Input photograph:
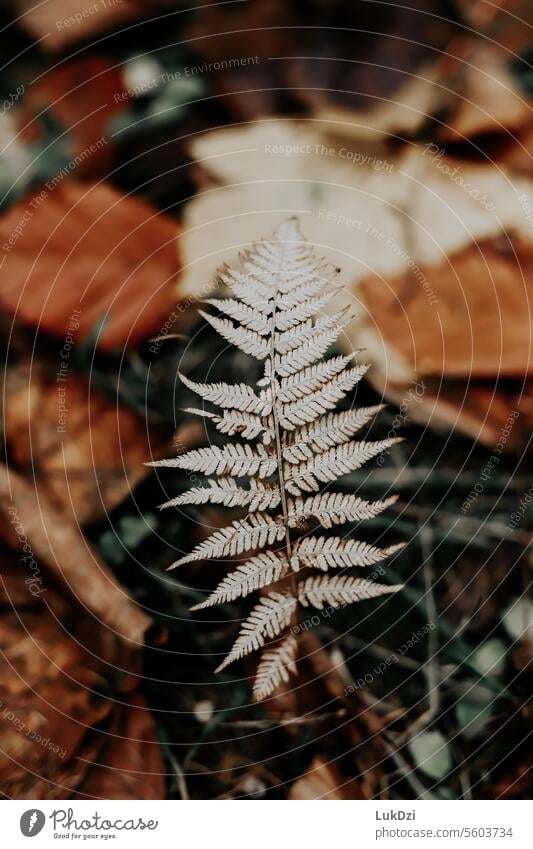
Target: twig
x=431 y=669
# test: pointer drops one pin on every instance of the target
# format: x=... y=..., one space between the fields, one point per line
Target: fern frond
x=292 y=444
x=245 y=315
x=331 y=464
x=286 y=342
x=336 y=553
x=340 y=590
x=231 y=422
x=309 y=408
x=328 y=431
x=251 y=292
x=269 y=618
x=306 y=287
x=258 y=572
x=275 y=667
x=248 y=341
x=310 y=379
x=237 y=460
x=256 y=531
x=307 y=353
x=236 y=396
x=225 y=491
x=289 y=318
x=335 y=508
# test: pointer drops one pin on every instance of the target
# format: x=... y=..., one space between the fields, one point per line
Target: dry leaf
x=84 y=450
x=422 y=227
x=60 y=547
x=480 y=325
x=480 y=328
x=59 y=702
x=130 y=765
x=489 y=101
x=308 y=65
x=89 y=248
x=324 y=781
x=80 y=96
x=367 y=213
x=58 y=24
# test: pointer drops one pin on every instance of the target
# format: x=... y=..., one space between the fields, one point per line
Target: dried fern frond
x=294 y=444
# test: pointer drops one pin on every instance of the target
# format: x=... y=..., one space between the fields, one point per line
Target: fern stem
x=277 y=429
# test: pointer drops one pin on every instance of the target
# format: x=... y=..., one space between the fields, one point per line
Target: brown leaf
x=480 y=326
x=61 y=548
x=85 y=452
x=80 y=96
x=89 y=248
x=476 y=409
x=130 y=766
x=60 y=699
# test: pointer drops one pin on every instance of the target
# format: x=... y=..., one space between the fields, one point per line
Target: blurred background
x=142 y=145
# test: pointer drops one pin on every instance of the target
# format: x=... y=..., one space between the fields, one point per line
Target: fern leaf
x=247 y=425
x=256 y=531
x=237 y=460
x=308 y=353
x=336 y=553
x=332 y=464
x=269 y=618
x=340 y=590
x=275 y=667
x=335 y=508
x=249 y=291
x=287 y=319
x=326 y=432
x=310 y=379
x=292 y=443
x=245 y=315
x=309 y=408
x=305 y=288
x=248 y=341
x=251 y=576
x=237 y=396
x=289 y=341
x=225 y=491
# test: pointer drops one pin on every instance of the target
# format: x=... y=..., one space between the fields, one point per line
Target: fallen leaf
x=324 y=781
x=306 y=67
x=130 y=766
x=434 y=253
x=518 y=619
x=58 y=24
x=84 y=451
x=479 y=324
x=58 y=544
x=368 y=213
x=63 y=705
x=489 y=100
x=90 y=249
x=81 y=95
